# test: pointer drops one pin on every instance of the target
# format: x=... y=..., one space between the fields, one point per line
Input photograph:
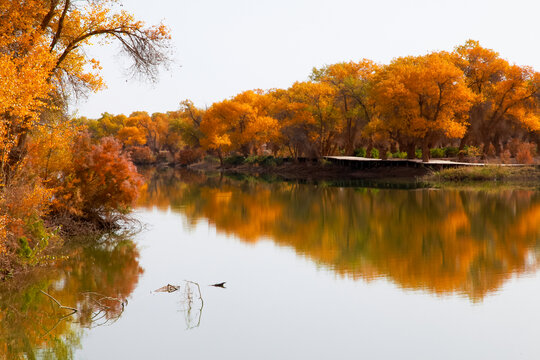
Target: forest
x=60 y=174
x=54 y=178
x=466 y=103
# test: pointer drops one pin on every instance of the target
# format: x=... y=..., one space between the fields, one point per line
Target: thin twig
x=60 y=305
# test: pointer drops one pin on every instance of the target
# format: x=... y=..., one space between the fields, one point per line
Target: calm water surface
x=311 y=271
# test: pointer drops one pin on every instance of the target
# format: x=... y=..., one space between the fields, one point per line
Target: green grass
x=486 y=173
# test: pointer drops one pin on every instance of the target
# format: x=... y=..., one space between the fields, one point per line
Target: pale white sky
x=223 y=47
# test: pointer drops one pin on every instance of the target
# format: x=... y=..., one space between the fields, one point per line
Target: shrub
x=234 y=160
x=263 y=160
x=142 y=155
x=374 y=153
x=189 y=156
x=325 y=162
x=491 y=151
x=252 y=159
x=437 y=152
x=505 y=157
x=100 y=181
x=269 y=160
x=513 y=146
x=164 y=156
x=38 y=238
x=399 y=155
x=524 y=153
x=473 y=151
x=451 y=151
x=418 y=153
x=361 y=152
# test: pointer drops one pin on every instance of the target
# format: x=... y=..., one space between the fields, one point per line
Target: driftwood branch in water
x=168 y=288
x=200 y=294
x=188 y=302
x=221 y=285
x=60 y=305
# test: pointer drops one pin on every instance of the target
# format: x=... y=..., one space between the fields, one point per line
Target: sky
x=223 y=47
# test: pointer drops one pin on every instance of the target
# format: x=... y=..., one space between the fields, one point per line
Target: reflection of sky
x=225 y=47
x=282 y=306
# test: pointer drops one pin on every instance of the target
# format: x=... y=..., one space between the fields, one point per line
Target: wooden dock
x=368 y=163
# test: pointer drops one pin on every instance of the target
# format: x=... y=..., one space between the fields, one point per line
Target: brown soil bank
x=328 y=171
x=316 y=171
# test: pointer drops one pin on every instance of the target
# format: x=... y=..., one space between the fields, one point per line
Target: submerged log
x=168 y=288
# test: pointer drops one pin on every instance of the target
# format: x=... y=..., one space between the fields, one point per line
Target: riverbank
x=314 y=170
x=490 y=176
x=324 y=170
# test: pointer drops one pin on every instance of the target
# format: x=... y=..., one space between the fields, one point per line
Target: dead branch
x=60 y=305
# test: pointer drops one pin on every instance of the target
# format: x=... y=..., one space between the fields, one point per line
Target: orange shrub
x=524 y=153
x=101 y=182
x=189 y=156
x=142 y=155
x=505 y=157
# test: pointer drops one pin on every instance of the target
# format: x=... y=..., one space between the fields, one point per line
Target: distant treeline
x=469 y=102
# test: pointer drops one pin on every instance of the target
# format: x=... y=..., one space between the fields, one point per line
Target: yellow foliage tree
x=240 y=124
x=42 y=59
x=507 y=96
x=316 y=101
x=421 y=100
x=352 y=82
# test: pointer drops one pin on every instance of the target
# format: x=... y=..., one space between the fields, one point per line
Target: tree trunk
x=411 y=151
x=15 y=156
x=464 y=141
x=369 y=148
x=393 y=147
x=425 y=151
x=383 y=153
x=220 y=155
x=497 y=145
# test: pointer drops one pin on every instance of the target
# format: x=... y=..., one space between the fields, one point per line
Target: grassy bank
x=324 y=170
x=492 y=173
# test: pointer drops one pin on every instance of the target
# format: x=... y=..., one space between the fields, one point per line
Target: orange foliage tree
x=352 y=82
x=240 y=124
x=507 y=96
x=316 y=103
x=43 y=59
x=421 y=100
x=42 y=64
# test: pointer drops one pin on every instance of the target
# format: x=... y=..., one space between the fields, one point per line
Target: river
x=311 y=271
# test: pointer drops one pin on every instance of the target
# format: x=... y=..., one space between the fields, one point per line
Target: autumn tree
x=507 y=96
x=25 y=67
x=43 y=52
x=294 y=123
x=106 y=125
x=239 y=124
x=43 y=64
x=133 y=132
x=352 y=82
x=421 y=100
x=185 y=125
x=316 y=101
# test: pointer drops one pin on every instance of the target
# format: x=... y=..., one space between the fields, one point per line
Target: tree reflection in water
x=467 y=242
x=96 y=281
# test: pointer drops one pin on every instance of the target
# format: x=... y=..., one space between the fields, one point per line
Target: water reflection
x=96 y=281
x=442 y=241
